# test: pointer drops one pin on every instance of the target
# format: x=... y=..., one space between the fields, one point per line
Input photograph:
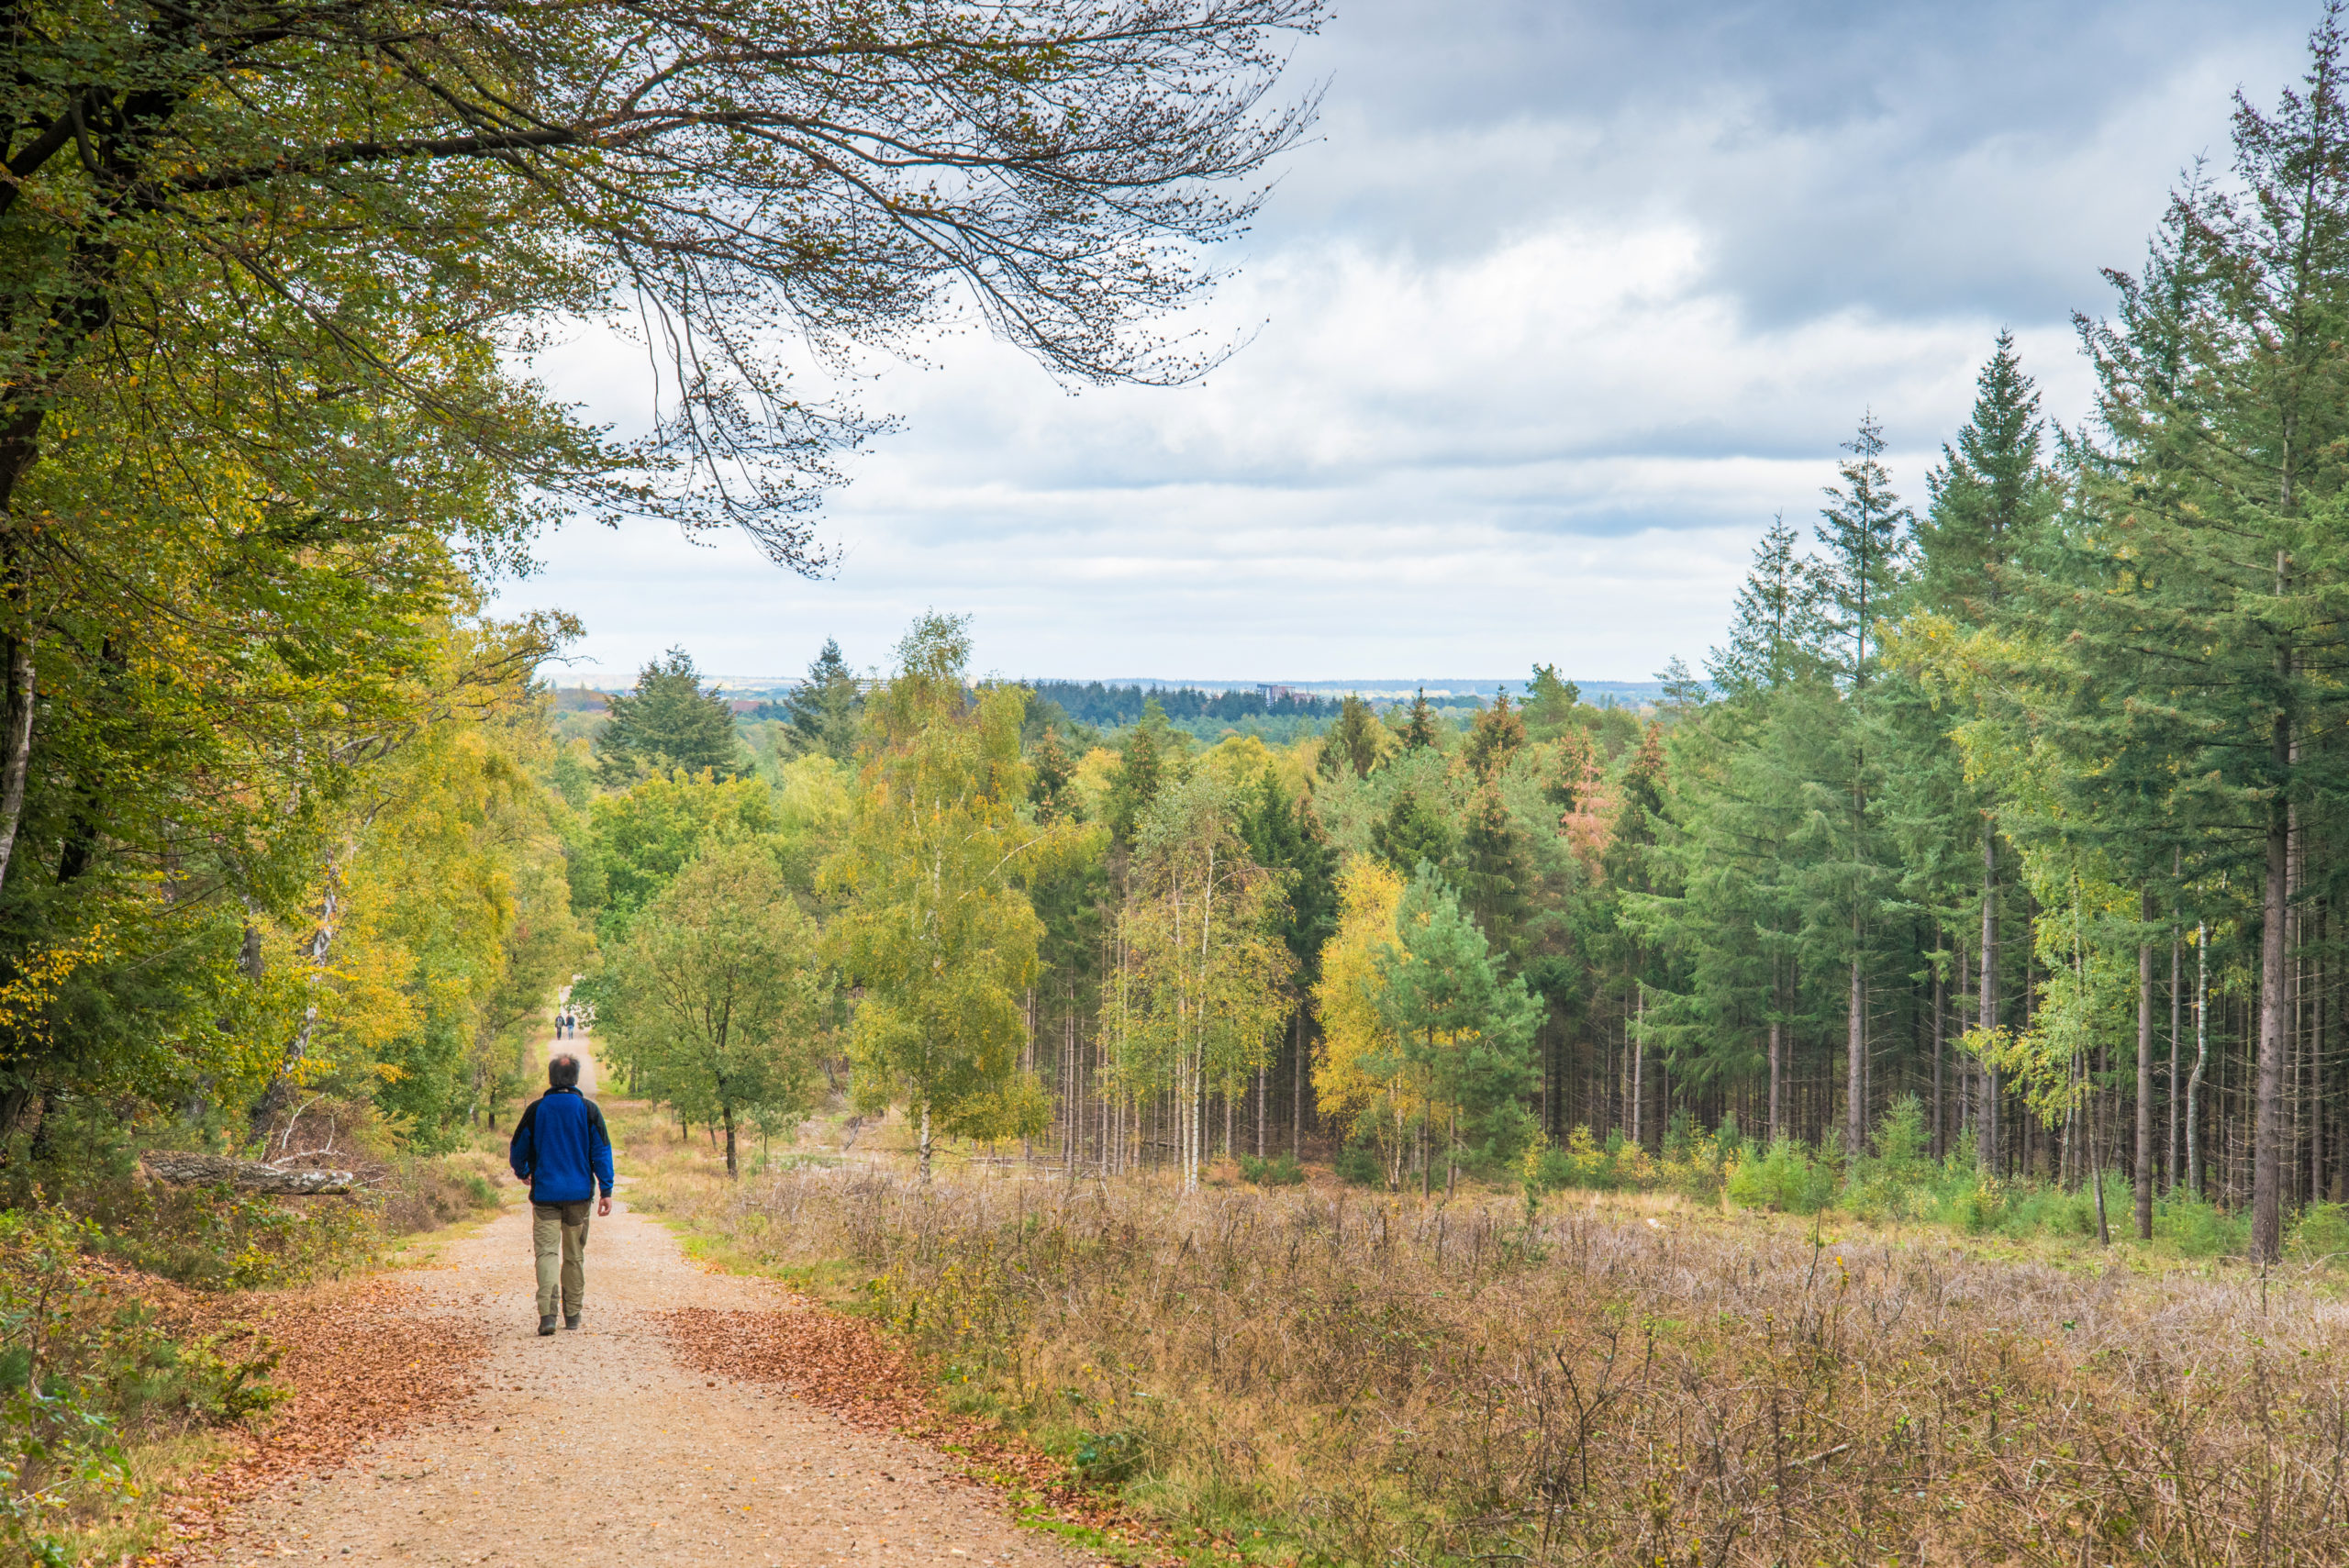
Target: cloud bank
x=1565 y=301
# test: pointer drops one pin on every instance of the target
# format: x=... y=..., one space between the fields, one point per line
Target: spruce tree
x=1466 y=1034
x=1992 y=494
x=824 y=707
x=1353 y=741
x=1498 y=735
x=2221 y=599
x=1862 y=527
x=1492 y=868
x=1143 y=770
x=1777 y=628
x=1421 y=732
x=1410 y=832
x=667 y=722
x=1993 y=505
x=1053 y=791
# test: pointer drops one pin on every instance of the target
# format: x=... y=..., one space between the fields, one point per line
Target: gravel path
x=597 y=1447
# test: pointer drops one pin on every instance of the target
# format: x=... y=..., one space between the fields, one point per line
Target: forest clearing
x=1872 y=1093
x=1317 y=1373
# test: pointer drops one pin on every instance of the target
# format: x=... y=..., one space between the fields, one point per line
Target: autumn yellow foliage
x=1359 y=1077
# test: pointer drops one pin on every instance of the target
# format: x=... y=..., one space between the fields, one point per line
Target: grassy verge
x=1316 y=1374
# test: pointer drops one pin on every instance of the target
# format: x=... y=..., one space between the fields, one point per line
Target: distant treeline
x=1106 y=708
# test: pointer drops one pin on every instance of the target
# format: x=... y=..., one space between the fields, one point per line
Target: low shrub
x=1358 y=1162
x=84 y=1367
x=2194 y=1227
x=1280 y=1171
x=1787 y=1179
x=420 y=1194
x=1335 y=1380
x=2321 y=1235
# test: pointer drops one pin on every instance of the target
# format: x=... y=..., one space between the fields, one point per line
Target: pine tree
x=1683 y=693
x=1549 y=701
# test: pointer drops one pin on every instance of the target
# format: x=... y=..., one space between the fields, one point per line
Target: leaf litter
x=851 y=1369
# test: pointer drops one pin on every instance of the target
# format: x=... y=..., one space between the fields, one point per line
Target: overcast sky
x=1564 y=300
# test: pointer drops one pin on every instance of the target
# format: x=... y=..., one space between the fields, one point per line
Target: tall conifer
x=2224 y=600
x=1862 y=527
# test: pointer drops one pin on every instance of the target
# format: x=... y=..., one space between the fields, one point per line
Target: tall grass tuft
x=1322 y=1374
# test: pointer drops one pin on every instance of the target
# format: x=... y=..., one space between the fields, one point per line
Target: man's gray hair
x=563 y=1071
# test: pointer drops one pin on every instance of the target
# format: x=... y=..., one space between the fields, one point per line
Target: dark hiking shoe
x=546 y=1323
x=571 y=1320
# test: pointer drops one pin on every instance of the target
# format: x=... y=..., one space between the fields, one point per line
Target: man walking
x=562 y=1150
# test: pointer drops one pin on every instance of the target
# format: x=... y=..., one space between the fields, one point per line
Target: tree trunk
x=1986 y=1009
x=17 y=764
x=1938 y=984
x=925 y=1142
x=1777 y=1036
x=1855 y=1099
x=2145 y=1076
x=2176 y=1000
x=276 y=1092
x=2267 y=1123
x=733 y=1172
x=1297 y=1103
x=2201 y=1058
x=1639 y=1070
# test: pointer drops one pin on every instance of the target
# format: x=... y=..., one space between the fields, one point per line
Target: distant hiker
x=562 y=1150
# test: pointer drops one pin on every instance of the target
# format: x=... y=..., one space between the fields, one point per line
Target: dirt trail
x=598 y=1447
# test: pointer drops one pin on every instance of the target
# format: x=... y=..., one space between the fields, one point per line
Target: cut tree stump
x=246 y=1176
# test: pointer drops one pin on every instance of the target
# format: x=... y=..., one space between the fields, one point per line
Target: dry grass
x=1318 y=1376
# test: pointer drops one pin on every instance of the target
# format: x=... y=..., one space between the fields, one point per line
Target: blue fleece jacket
x=560 y=1148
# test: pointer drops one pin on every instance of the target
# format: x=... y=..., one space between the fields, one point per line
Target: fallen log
x=182 y=1170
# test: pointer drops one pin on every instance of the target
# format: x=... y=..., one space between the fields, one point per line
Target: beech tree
x=718 y=991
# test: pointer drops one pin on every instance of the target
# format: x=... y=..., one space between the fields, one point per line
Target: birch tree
x=935 y=927
x=1203 y=988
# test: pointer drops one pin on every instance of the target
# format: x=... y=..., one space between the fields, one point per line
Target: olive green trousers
x=558 y=1235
